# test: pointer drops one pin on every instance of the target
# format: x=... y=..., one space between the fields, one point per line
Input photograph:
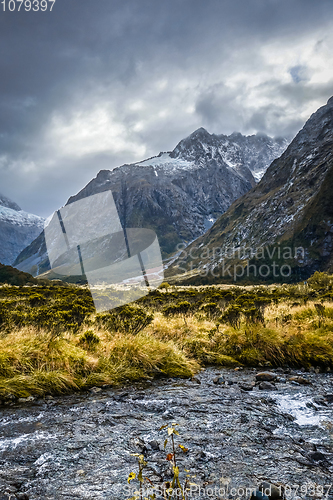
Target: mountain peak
x=200 y=132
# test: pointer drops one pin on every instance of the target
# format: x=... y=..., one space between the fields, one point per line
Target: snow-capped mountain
x=291 y=208
x=238 y=152
x=178 y=194
x=17 y=229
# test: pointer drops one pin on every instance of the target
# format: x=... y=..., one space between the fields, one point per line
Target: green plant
x=319 y=281
x=232 y=316
x=171 y=489
x=126 y=319
x=211 y=310
x=320 y=308
x=89 y=339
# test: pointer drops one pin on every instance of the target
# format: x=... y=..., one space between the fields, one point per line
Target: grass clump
x=53 y=342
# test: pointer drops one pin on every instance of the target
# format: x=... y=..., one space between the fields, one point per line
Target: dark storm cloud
x=94 y=84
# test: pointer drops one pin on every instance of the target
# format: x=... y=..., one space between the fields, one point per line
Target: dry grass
x=32 y=362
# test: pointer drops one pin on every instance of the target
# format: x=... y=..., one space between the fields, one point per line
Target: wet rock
x=167 y=415
x=246 y=387
x=95 y=390
x=281 y=380
x=154 y=445
x=265 y=377
x=299 y=380
x=120 y=396
x=26 y=400
x=319 y=400
x=266 y=386
x=329 y=398
x=317 y=456
x=294 y=382
x=230 y=382
x=219 y=380
x=196 y=380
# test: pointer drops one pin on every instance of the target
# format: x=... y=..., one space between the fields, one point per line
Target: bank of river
x=79 y=446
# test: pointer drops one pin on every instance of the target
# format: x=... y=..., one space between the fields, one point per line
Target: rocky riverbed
x=237 y=435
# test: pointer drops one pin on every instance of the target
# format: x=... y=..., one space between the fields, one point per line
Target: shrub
x=211 y=310
x=232 y=316
x=90 y=339
x=319 y=281
x=126 y=319
x=36 y=299
x=179 y=308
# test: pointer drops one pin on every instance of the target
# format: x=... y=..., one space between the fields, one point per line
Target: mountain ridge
x=17 y=229
x=286 y=206
x=178 y=194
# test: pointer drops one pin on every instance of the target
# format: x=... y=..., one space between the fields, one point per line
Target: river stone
x=219 y=380
x=196 y=380
x=329 y=398
x=246 y=387
x=26 y=400
x=95 y=390
x=265 y=377
x=266 y=386
x=299 y=380
x=316 y=456
x=270 y=490
x=154 y=445
x=319 y=400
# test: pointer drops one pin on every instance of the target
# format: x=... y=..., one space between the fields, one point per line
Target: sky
x=95 y=84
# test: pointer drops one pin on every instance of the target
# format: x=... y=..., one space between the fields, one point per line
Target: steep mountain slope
x=291 y=207
x=17 y=229
x=178 y=194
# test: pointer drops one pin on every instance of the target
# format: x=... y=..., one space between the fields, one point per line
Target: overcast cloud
x=98 y=83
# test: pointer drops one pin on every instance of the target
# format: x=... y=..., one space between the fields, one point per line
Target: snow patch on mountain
x=17 y=229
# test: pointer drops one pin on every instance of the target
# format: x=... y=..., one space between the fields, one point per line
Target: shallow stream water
x=79 y=446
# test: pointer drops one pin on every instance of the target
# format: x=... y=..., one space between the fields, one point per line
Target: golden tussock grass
x=34 y=362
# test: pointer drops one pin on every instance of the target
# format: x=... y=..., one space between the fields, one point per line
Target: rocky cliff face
x=17 y=229
x=291 y=207
x=178 y=194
